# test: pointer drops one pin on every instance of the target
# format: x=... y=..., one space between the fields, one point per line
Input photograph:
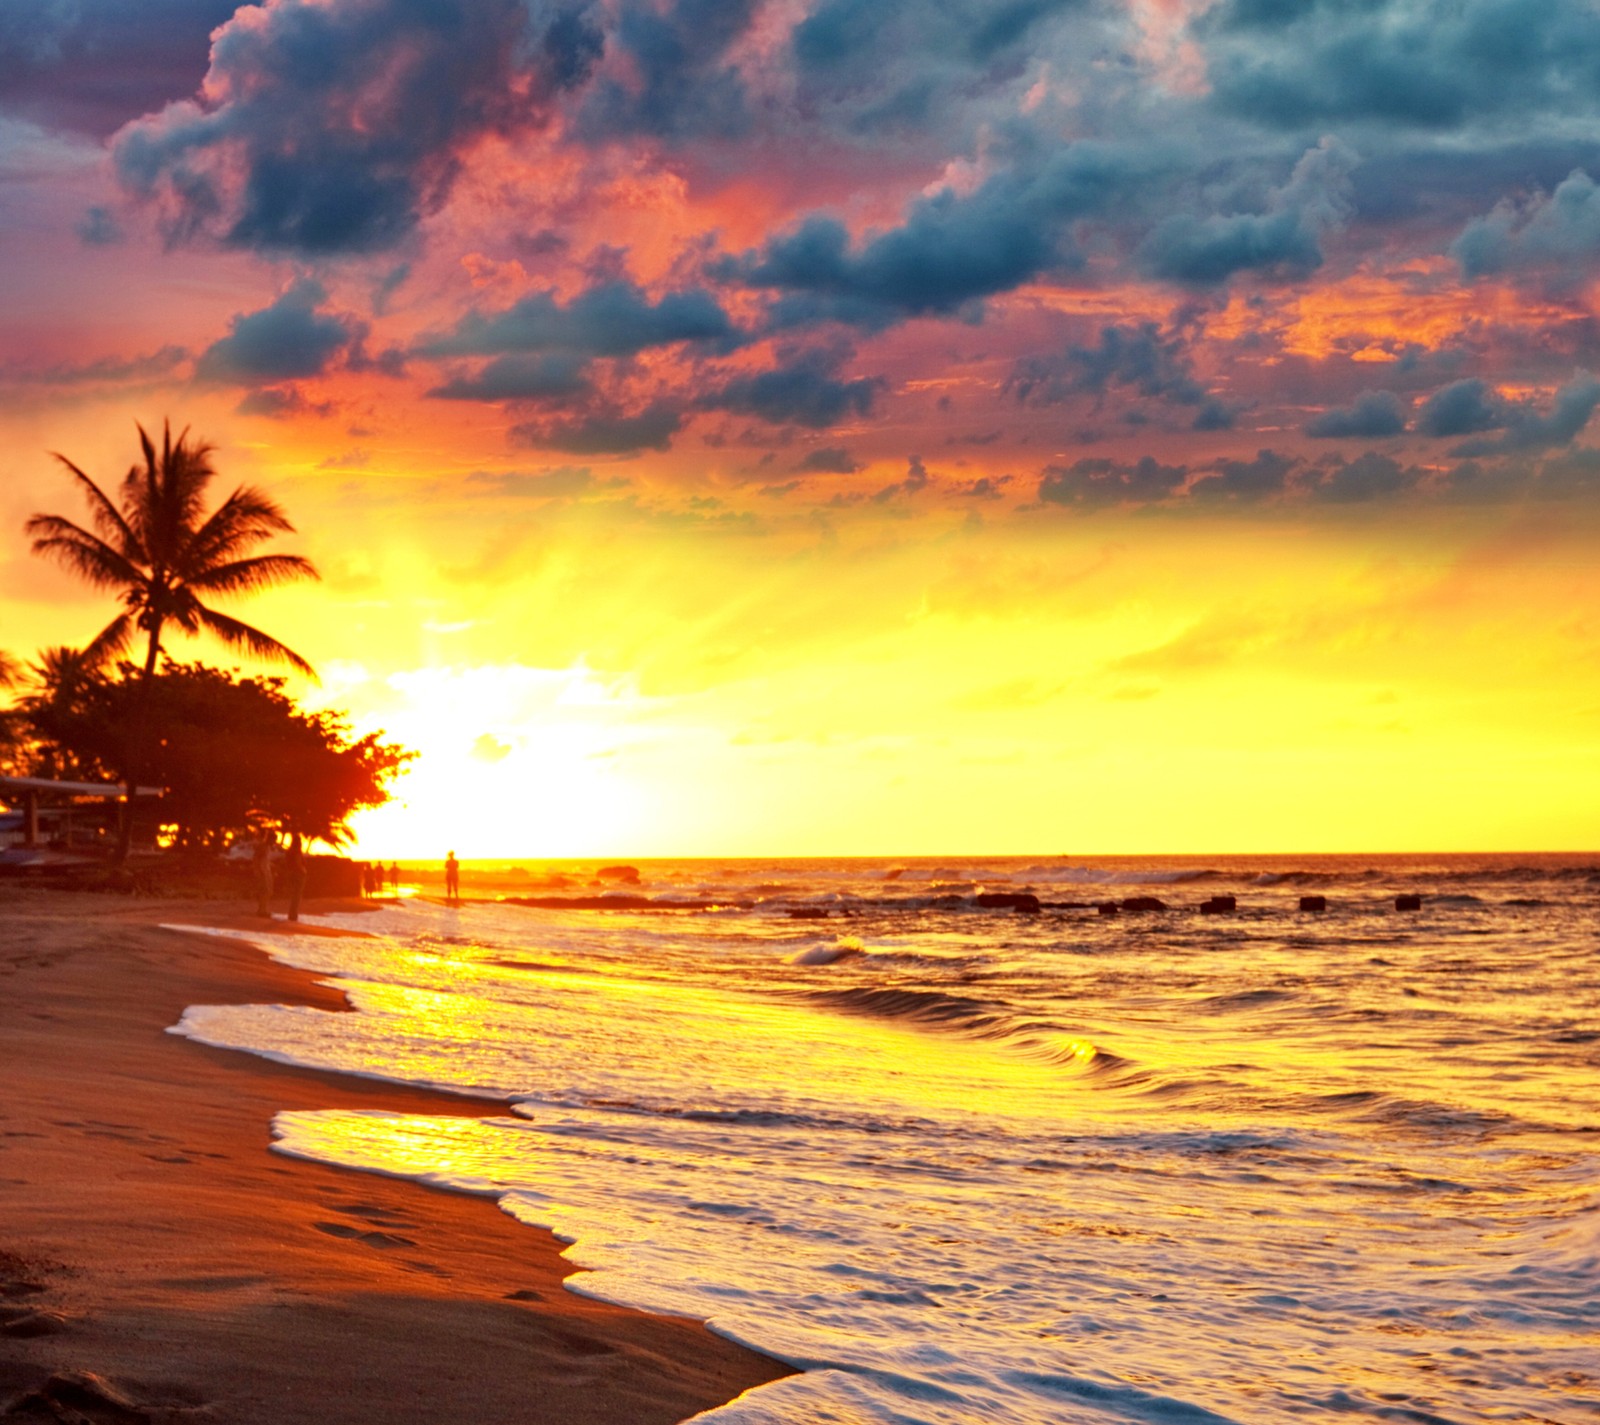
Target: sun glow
x=511 y=761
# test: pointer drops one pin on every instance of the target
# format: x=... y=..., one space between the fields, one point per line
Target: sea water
x=963 y=1163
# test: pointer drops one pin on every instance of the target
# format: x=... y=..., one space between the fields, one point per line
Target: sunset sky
x=755 y=427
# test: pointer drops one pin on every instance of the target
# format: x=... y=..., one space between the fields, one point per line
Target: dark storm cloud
x=544 y=377
x=1093 y=483
x=287 y=340
x=612 y=319
x=1372 y=414
x=1133 y=356
x=679 y=82
x=334 y=127
x=1561 y=232
x=1284 y=241
x=952 y=249
x=92 y=65
x=1426 y=64
x=804 y=389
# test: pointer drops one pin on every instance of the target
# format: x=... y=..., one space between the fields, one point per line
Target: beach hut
x=67 y=816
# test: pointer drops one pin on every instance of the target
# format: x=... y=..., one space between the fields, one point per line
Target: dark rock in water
x=1007 y=900
x=1408 y=902
x=628 y=875
x=1313 y=902
x=1109 y=907
x=1067 y=905
x=1219 y=905
x=617 y=902
x=808 y=912
x=1144 y=903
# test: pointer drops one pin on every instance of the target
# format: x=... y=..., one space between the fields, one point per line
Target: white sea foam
x=1263 y=1201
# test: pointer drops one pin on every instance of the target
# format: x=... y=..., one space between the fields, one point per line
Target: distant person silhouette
x=452 y=879
x=394 y=876
x=294 y=864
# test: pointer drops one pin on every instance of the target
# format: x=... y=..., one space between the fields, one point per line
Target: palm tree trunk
x=133 y=755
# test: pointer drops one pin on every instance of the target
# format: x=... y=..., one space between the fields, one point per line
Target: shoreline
x=158 y=1263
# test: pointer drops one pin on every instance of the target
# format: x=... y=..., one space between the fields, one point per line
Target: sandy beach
x=158 y=1263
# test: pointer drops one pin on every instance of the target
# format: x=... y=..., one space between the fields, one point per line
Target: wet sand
x=158 y=1263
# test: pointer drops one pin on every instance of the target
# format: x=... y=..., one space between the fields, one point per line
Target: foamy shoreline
x=155 y=1253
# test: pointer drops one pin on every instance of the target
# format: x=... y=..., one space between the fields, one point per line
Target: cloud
x=287 y=340
x=1559 y=232
x=99 y=228
x=1284 y=241
x=91 y=65
x=1368 y=477
x=1462 y=408
x=1097 y=482
x=1419 y=64
x=1526 y=429
x=554 y=375
x=605 y=431
x=336 y=126
x=1246 y=480
x=106 y=370
x=677 y=81
x=1136 y=356
x=916 y=480
x=1371 y=415
x=803 y=389
x=281 y=403
x=614 y=319
x=828 y=460
x=952 y=249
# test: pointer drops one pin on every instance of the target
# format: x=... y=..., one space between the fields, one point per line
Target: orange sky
x=702 y=460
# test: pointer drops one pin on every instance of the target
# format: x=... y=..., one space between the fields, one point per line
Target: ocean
x=968 y=1163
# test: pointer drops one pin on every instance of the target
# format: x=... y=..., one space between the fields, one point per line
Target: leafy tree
x=162 y=554
x=232 y=752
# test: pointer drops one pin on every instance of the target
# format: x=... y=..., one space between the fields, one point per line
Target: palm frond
x=239 y=523
x=86 y=554
x=112 y=640
x=107 y=517
x=241 y=635
x=248 y=575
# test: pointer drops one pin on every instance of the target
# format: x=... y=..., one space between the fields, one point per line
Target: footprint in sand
x=355 y=1234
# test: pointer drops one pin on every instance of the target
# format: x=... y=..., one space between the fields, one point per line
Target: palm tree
x=160 y=553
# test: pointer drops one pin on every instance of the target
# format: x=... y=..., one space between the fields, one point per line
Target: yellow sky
x=605 y=678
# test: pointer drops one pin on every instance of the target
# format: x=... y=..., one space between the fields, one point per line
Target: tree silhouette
x=160 y=553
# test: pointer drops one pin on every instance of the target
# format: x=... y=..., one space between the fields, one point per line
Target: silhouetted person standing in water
x=452 y=879
x=394 y=877
x=294 y=863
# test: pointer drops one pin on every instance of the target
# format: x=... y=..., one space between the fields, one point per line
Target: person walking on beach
x=452 y=879
x=394 y=877
x=294 y=865
x=261 y=870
